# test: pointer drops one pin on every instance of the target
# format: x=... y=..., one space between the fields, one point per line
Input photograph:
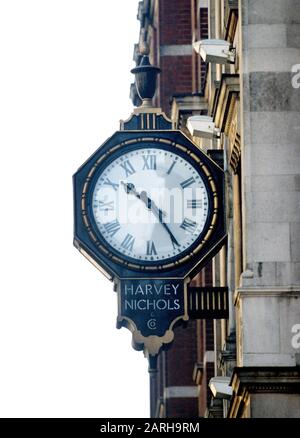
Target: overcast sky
x=65 y=78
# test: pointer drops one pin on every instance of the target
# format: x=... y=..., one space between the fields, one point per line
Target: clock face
x=150 y=204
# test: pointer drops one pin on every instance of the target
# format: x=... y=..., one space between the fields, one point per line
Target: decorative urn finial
x=145 y=76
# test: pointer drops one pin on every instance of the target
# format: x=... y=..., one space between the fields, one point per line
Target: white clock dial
x=150 y=204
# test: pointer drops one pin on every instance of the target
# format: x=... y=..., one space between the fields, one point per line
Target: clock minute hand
x=172 y=237
x=130 y=189
x=159 y=214
x=152 y=206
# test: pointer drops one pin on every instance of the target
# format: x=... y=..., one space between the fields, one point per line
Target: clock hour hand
x=130 y=188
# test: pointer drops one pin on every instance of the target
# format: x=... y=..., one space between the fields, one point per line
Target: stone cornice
x=187 y=104
x=229 y=89
x=226 y=116
x=230 y=19
x=266 y=379
x=265 y=291
x=249 y=380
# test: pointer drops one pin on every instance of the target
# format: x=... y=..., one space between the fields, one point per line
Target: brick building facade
x=170 y=27
x=254 y=105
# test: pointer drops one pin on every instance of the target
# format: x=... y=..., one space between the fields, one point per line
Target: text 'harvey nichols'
x=151 y=296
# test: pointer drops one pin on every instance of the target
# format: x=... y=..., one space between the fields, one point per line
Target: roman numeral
x=188 y=225
x=105 y=206
x=108 y=182
x=127 y=166
x=128 y=242
x=149 y=162
x=171 y=167
x=194 y=203
x=187 y=182
x=112 y=227
x=151 y=250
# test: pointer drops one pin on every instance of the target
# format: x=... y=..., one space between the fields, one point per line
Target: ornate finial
x=144 y=48
x=145 y=75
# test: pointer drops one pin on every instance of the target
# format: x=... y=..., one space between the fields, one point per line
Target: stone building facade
x=255 y=102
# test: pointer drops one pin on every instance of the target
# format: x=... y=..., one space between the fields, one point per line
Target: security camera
x=220 y=388
x=215 y=51
x=202 y=126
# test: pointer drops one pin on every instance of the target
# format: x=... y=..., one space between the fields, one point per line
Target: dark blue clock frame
x=90 y=242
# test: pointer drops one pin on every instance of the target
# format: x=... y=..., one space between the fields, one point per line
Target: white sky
x=64 y=79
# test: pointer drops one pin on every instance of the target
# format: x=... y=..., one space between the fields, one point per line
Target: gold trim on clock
x=167 y=265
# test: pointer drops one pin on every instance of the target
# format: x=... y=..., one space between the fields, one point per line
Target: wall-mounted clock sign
x=148 y=208
x=150 y=202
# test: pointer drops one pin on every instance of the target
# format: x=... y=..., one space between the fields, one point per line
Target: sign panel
x=150 y=308
x=152 y=304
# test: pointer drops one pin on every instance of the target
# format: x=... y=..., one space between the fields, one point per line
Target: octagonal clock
x=149 y=203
